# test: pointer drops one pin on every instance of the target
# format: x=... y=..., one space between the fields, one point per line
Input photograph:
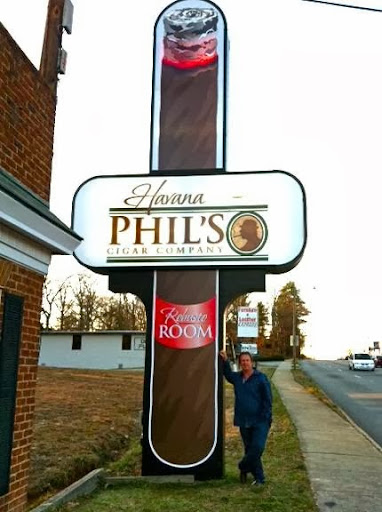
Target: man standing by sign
x=253 y=413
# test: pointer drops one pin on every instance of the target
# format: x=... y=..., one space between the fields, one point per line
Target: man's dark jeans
x=254 y=439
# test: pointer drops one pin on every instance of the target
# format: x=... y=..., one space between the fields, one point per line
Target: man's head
x=248 y=229
x=245 y=361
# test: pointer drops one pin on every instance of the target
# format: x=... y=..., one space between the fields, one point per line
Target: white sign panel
x=249 y=347
x=139 y=343
x=247 y=324
x=297 y=340
x=218 y=220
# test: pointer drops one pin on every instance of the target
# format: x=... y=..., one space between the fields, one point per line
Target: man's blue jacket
x=253 y=397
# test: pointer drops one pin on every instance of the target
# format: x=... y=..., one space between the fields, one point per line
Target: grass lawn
x=85 y=419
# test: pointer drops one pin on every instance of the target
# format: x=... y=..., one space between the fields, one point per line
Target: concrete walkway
x=344 y=467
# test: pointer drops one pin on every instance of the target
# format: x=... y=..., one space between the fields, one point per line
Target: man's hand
x=223 y=355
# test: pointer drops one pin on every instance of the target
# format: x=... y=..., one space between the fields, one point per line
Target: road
x=358 y=393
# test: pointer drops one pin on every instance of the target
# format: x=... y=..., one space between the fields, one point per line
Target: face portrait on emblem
x=246 y=233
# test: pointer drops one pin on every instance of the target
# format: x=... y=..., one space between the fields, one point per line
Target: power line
x=345 y=5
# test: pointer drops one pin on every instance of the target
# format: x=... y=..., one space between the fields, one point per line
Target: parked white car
x=361 y=362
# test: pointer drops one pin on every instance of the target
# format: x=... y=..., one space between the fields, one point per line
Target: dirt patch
x=83 y=418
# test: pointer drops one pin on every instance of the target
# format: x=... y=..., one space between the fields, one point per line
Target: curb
x=93 y=480
x=82 y=487
x=110 y=481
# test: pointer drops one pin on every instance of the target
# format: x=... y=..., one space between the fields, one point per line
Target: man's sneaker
x=256 y=483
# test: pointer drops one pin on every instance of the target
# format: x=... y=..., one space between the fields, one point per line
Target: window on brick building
x=126 y=342
x=77 y=342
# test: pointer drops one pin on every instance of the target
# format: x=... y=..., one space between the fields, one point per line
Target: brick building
x=29 y=235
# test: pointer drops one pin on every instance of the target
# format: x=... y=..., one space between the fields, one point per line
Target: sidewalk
x=344 y=467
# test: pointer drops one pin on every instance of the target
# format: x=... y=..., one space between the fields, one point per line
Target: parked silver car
x=361 y=362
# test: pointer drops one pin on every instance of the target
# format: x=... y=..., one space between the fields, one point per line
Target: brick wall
x=27 y=111
x=28 y=285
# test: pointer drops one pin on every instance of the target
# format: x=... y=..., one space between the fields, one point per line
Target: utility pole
x=294 y=328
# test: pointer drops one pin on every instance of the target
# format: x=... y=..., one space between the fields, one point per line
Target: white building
x=93 y=350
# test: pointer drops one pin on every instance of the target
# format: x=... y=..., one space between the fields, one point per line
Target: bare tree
x=74 y=304
x=123 y=311
x=86 y=302
x=138 y=314
x=67 y=319
x=51 y=292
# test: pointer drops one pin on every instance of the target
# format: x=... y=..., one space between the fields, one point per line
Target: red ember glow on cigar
x=190 y=64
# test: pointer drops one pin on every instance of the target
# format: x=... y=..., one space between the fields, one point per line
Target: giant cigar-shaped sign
x=187 y=238
x=183 y=426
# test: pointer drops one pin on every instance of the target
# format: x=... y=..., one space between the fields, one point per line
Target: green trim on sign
x=173 y=258
x=190 y=209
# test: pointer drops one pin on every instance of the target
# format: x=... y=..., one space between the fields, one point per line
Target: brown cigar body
x=184 y=383
x=183 y=426
x=188 y=120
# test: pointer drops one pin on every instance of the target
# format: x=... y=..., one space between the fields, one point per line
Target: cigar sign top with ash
x=189 y=88
x=189 y=23
x=190 y=38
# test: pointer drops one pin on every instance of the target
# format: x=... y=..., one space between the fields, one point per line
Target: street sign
x=297 y=340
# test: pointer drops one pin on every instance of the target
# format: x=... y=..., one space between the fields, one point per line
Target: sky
x=304 y=96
